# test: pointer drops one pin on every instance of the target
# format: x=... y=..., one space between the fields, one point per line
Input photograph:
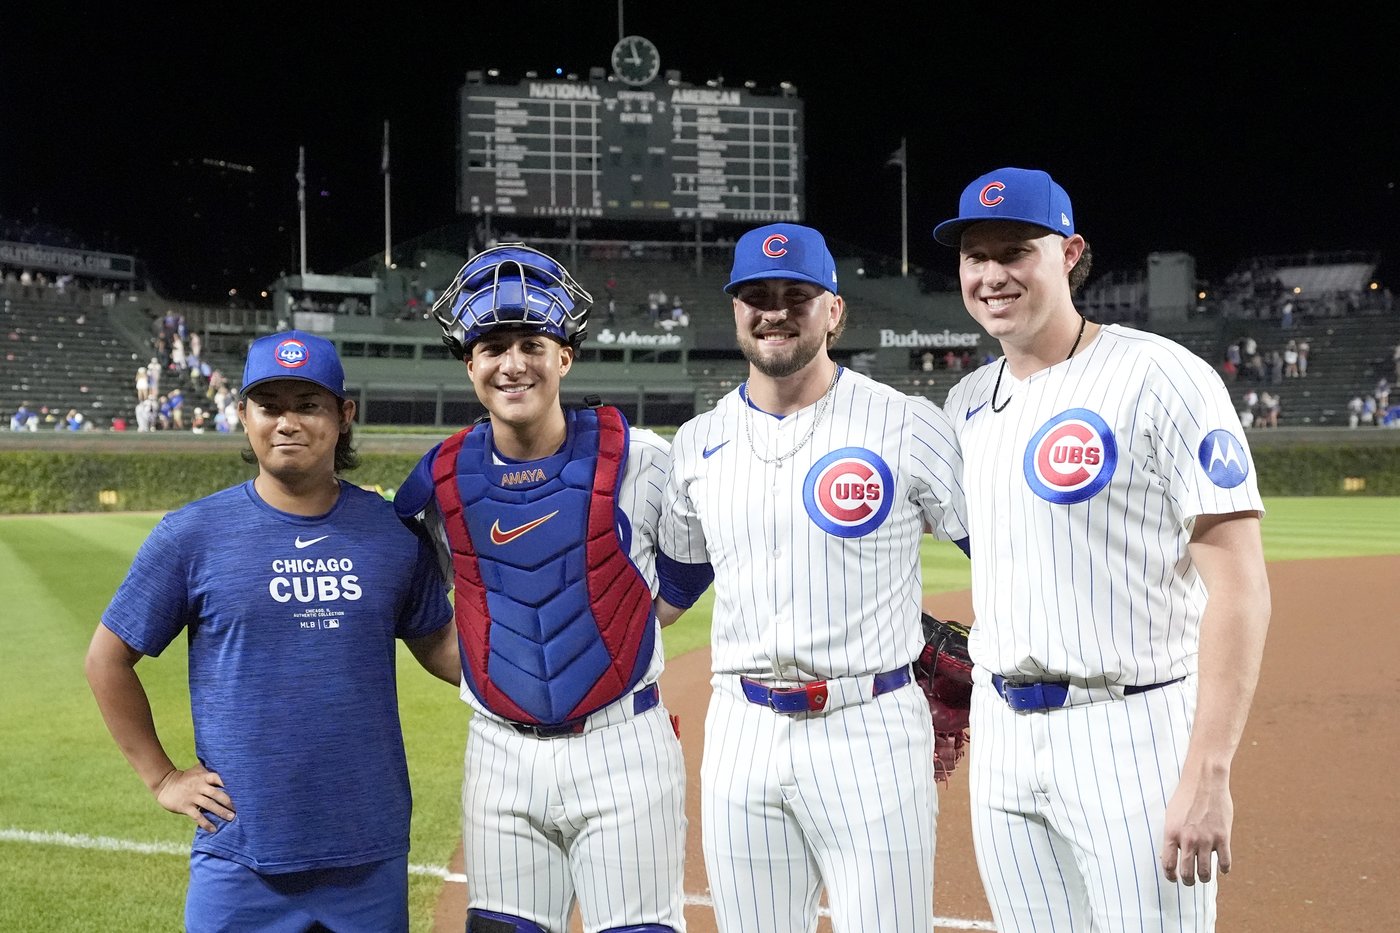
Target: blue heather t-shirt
x=292 y=624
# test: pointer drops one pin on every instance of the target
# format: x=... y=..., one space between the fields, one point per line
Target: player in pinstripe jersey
x=806 y=491
x=1118 y=582
x=546 y=519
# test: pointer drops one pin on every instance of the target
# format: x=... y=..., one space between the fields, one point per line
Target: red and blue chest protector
x=554 y=620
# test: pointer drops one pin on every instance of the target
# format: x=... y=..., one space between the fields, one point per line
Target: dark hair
x=1080 y=272
x=346 y=458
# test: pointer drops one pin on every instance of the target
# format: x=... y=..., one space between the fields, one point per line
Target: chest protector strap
x=555 y=620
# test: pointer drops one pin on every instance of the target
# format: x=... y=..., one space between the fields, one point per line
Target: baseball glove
x=944 y=672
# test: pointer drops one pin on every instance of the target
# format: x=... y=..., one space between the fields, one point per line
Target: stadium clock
x=635 y=60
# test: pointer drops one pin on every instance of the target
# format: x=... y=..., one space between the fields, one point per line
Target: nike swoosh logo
x=301 y=544
x=709 y=451
x=973 y=411
x=506 y=537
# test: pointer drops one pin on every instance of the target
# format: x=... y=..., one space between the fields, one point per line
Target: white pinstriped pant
x=598 y=816
x=843 y=800
x=1069 y=810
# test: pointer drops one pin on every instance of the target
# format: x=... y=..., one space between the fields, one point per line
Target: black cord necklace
x=996 y=388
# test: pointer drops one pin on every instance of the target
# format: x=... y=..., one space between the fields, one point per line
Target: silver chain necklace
x=816 y=420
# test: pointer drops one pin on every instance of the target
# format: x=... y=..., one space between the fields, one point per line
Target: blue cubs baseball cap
x=783 y=251
x=294 y=354
x=1024 y=194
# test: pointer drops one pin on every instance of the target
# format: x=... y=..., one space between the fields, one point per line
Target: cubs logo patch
x=291 y=353
x=1222 y=457
x=1071 y=457
x=849 y=492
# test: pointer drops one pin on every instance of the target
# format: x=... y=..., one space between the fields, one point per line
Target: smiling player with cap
x=1118 y=584
x=807 y=491
x=292 y=588
x=545 y=519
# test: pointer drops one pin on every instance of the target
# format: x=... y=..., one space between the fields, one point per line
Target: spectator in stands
x=1233 y=360
x=1255 y=367
x=1395 y=357
x=177 y=354
x=176 y=408
x=677 y=309
x=147 y=412
x=74 y=420
x=1368 y=410
x=153 y=378
x=1251 y=408
x=1270 y=407
x=1382 y=394
x=1275 y=367
x=654 y=308
x=1303 y=349
x=926 y=361
x=1285 y=315
x=143 y=384
x=1354 y=408
x=21 y=419
x=1290 y=360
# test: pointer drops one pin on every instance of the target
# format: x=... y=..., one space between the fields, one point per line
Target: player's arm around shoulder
x=682 y=566
x=652 y=453
x=937 y=461
x=437 y=649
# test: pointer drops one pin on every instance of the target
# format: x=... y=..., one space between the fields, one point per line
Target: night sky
x=1224 y=136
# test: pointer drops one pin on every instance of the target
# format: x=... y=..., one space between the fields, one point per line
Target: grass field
x=84 y=847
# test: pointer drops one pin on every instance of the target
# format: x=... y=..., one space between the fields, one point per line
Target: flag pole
x=384 y=167
x=301 y=202
x=903 y=208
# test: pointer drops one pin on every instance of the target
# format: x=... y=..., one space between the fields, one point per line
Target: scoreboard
x=662 y=152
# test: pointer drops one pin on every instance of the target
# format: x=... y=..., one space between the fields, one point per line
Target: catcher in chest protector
x=943 y=671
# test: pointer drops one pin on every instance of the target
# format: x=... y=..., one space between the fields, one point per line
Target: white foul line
x=109 y=844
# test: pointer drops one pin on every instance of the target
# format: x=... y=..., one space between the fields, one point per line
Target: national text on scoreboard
x=573 y=149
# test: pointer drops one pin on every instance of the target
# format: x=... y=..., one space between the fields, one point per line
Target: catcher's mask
x=514 y=286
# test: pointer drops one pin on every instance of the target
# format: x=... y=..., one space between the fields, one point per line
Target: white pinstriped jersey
x=1082 y=493
x=639 y=497
x=816 y=559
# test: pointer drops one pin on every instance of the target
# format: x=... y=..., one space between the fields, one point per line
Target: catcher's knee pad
x=488 y=921
x=643 y=928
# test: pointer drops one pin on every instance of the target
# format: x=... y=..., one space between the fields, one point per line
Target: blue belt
x=812 y=697
x=1051 y=694
x=643 y=700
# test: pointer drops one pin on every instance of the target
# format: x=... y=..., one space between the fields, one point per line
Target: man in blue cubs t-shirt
x=291 y=607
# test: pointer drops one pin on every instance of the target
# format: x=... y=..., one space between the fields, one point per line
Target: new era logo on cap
x=783 y=251
x=1020 y=194
x=294 y=355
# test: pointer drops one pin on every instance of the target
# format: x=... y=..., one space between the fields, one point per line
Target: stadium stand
x=65 y=356
x=81 y=351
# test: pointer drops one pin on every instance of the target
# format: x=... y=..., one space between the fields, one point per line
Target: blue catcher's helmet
x=511 y=285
